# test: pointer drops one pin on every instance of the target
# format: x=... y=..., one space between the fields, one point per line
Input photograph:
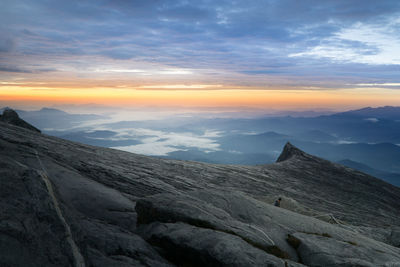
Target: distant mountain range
x=387 y=112
x=264 y=148
x=50 y=118
x=369 y=136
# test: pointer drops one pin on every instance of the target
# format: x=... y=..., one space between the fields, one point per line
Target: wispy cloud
x=360 y=43
x=379 y=84
x=258 y=43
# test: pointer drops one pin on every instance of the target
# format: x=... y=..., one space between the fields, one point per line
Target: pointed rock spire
x=9 y=115
x=289 y=151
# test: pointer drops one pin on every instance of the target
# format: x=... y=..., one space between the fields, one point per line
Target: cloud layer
x=158 y=143
x=235 y=43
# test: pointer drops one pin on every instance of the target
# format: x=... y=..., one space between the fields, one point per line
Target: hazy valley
x=367 y=139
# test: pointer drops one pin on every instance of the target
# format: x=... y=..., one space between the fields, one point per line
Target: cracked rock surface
x=125 y=209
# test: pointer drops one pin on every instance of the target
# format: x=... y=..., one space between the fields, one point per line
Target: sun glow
x=199 y=95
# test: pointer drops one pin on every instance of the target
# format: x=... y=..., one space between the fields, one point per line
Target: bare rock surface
x=11 y=117
x=263 y=226
x=30 y=229
x=185 y=244
x=69 y=204
x=324 y=250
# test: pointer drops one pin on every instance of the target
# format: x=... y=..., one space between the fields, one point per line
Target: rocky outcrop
x=290 y=151
x=69 y=204
x=202 y=221
x=11 y=117
x=324 y=250
x=187 y=245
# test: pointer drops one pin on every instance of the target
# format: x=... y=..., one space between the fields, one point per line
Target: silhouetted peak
x=11 y=117
x=9 y=114
x=289 y=151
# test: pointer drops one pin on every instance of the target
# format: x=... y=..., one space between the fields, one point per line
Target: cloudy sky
x=280 y=54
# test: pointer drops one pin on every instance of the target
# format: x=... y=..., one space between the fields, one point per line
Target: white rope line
x=78 y=258
x=258 y=229
x=328 y=215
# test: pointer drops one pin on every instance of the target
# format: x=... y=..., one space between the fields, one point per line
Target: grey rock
x=196 y=211
x=228 y=212
x=99 y=195
x=394 y=238
x=11 y=117
x=290 y=151
x=388 y=235
x=194 y=246
x=316 y=250
x=265 y=227
x=30 y=230
x=109 y=245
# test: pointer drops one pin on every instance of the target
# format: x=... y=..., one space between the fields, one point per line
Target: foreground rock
x=324 y=250
x=31 y=233
x=237 y=220
x=69 y=204
x=185 y=245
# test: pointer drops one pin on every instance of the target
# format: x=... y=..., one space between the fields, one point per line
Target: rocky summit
x=69 y=204
x=11 y=117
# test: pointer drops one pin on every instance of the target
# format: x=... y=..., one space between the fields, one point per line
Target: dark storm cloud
x=267 y=37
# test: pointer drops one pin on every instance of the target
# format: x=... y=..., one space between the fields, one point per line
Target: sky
x=279 y=54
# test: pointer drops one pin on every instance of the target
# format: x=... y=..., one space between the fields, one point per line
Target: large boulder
x=232 y=213
x=187 y=245
x=107 y=245
x=233 y=216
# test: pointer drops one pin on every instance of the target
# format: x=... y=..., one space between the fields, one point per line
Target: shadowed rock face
x=69 y=204
x=290 y=151
x=11 y=117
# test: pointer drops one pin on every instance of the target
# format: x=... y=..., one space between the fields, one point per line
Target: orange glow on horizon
x=256 y=98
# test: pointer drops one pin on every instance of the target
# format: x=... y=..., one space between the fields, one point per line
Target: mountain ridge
x=385 y=112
